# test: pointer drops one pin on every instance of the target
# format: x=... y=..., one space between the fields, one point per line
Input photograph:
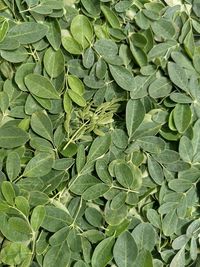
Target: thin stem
x=74 y=135
x=124 y=189
x=17 y=179
x=76 y=216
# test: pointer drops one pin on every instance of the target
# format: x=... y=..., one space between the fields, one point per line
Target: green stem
x=124 y=189
x=75 y=218
x=74 y=135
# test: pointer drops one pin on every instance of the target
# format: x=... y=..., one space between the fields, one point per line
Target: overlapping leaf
x=99 y=133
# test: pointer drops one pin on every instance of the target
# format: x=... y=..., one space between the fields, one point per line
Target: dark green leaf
x=28 y=32
x=39 y=165
x=11 y=137
x=125 y=250
x=40 y=86
x=59 y=255
x=135 y=113
x=54 y=62
x=123 y=77
x=103 y=252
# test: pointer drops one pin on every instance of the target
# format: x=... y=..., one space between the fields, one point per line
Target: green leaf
x=110 y=16
x=55 y=219
x=179 y=242
x=88 y=58
x=161 y=87
x=196 y=60
x=37 y=217
x=180 y=185
x=8 y=192
x=193 y=249
x=20 y=226
x=128 y=175
x=39 y=165
x=125 y=250
x=92 y=7
x=40 y=86
x=179 y=259
x=54 y=62
x=155 y=171
x=151 y=144
x=163 y=28
x=81 y=30
x=102 y=171
x=94 y=236
x=91 y=82
x=54 y=33
x=59 y=236
x=15 y=56
x=115 y=217
x=63 y=164
x=186 y=150
x=154 y=218
x=71 y=45
x=94 y=217
x=58 y=255
x=13 y=167
x=135 y=113
x=21 y=72
x=189 y=44
x=182 y=117
x=76 y=98
x=4 y=101
x=28 y=32
x=101 y=68
x=42 y=10
x=9 y=44
x=95 y=191
x=123 y=77
x=22 y=204
x=3 y=30
x=11 y=137
x=42 y=125
x=99 y=147
x=76 y=84
x=15 y=229
x=124 y=175
x=145 y=236
x=138 y=40
x=119 y=200
x=82 y=182
x=80 y=263
x=167 y=156
x=74 y=240
x=106 y=48
x=161 y=49
x=144 y=259
x=170 y=223
x=41 y=144
x=103 y=252
x=192 y=228
x=139 y=55
x=178 y=75
x=80 y=158
x=14 y=253
x=180 y=98
x=119 y=138
x=99 y=133
x=36 y=197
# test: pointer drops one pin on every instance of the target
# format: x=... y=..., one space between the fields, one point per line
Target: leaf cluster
x=99 y=133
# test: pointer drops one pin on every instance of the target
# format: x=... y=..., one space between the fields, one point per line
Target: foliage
x=99 y=133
